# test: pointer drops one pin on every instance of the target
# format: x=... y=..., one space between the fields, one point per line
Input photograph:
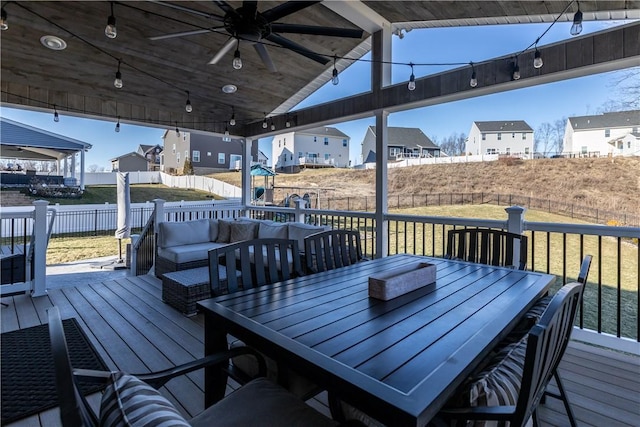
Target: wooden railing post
x=39 y=261
x=300 y=204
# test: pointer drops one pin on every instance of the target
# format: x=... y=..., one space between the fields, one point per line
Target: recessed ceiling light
x=53 y=42
x=229 y=88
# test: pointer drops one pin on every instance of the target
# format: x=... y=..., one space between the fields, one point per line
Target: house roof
x=606 y=120
x=504 y=126
x=131 y=154
x=412 y=136
x=30 y=143
x=325 y=130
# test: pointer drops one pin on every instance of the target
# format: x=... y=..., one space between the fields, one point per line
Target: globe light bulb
x=4 y=24
x=516 y=73
x=188 y=107
x=118 y=80
x=237 y=61
x=335 y=80
x=474 y=80
x=110 y=30
x=56 y=117
x=537 y=60
x=232 y=122
x=412 y=82
x=264 y=124
x=118 y=126
x=576 y=28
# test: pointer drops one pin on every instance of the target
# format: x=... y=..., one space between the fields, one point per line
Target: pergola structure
x=160 y=71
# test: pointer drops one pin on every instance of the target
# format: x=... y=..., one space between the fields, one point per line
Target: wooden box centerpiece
x=399 y=281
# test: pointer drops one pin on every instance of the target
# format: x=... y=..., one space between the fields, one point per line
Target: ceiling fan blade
x=226 y=8
x=249 y=8
x=189 y=10
x=223 y=50
x=285 y=9
x=266 y=58
x=295 y=47
x=318 y=31
x=181 y=34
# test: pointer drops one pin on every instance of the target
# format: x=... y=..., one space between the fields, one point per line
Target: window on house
x=315 y=139
x=584 y=149
x=513 y=135
x=484 y=136
x=312 y=155
x=326 y=141
x=285 y=142
x=326 y=156
x=526 y=150
x=607 y=133
x=196 y=156
x=508 y=150
x=344 y=142
x=524 y=135
x=186 y=154
x=177 y=157
x=499 y=137
x=491 y=151
x=299 y=154
x=221 y=158
x=279 y=143
x=628 y=144
x=235 y=161
x=394 y=151
x=174 y=149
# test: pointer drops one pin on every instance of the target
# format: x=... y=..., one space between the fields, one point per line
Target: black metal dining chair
x=134 y=399
x=514 y=382
x=332 y=249
x=487 y=246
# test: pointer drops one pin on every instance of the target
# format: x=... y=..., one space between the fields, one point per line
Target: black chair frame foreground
x=546 y=344
x=279 y=260
x=487 y=246
x=332 y=249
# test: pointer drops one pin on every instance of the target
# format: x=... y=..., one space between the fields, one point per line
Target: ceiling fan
x=246 y=23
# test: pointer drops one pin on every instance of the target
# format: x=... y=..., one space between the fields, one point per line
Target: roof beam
x=596 y=53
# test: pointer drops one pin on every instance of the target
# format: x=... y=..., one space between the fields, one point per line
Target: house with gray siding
x=403 y=143
x=130 y=162
x=208 y=153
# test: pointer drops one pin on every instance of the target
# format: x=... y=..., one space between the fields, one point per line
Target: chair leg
x=536 y=422
x=565 y=399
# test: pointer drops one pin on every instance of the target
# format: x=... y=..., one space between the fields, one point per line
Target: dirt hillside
x=606 y=183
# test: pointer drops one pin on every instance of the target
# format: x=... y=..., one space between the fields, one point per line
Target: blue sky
x=536 y=105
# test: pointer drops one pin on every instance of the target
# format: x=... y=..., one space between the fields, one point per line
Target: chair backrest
x=75 y=411
x=487 y=246
x=331 y=249
x=584 y=269
x=546 y=344
x=258 y=260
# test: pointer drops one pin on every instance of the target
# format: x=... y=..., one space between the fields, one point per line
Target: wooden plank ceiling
x=157 y=74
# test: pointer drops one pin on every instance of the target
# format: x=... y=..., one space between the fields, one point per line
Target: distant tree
x=543 y=142
x=92 y=168
x=558 y=133
x=453 y=145
x=626 y=89
x=188 y=167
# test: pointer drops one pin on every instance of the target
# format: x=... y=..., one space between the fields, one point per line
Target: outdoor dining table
x=397 y=360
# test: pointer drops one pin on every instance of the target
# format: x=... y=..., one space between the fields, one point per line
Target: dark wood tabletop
x=398 y=360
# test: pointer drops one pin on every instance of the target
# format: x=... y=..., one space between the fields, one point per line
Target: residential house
x=208 y=153
x=130 y=162
x=318 y=147
x=616 y=133
x=403 y=142
x=153 y=154
x=262 y=158
x=505 y=137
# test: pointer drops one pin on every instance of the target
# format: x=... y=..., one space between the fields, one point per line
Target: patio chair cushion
x=298 y=231
x=188 y=253
x=183 y=233
x=498 y=383
x=273 y=230
x=129 y=401
x=213 y=230
x=224 y=231
x=243 y=230
x=261 y=402
x=528 y=321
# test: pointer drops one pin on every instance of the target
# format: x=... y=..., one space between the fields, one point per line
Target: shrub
x=188 y=167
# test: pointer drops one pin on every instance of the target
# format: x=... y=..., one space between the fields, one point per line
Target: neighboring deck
x=135 y=331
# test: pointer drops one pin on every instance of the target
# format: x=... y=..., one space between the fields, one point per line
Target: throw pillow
x=224 y=231
x=128 y=401
x=243 y=230
x=213 y=230
x=183 y=233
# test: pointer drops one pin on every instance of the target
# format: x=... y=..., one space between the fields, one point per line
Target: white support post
x=246 y=175
x=300 y=205
x=82 y=170
x=158 y=211
x=133 y=254
x=515 y=224
x=39 y=261
x=382 y=158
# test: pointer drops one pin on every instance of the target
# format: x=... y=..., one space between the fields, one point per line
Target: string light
x=237 y=61
x=287 y=122
x=4 y=23
x=226 y=130
x=273 y=125
x=118 y=81
x=516 y=70
x=335 y=80
x=474 y=79
x=56 y=117
x=264 y=122
x=412 y=79
x=110 y=30
x=118 y=125
x=232 y=122
x=576 y=28
x=188 y=106
x=537 y=59
x=177 y=130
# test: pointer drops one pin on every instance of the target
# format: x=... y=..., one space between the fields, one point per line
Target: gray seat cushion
x=261 y=402
x=188 y=253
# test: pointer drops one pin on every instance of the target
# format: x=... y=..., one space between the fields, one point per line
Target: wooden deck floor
x=136 y=332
